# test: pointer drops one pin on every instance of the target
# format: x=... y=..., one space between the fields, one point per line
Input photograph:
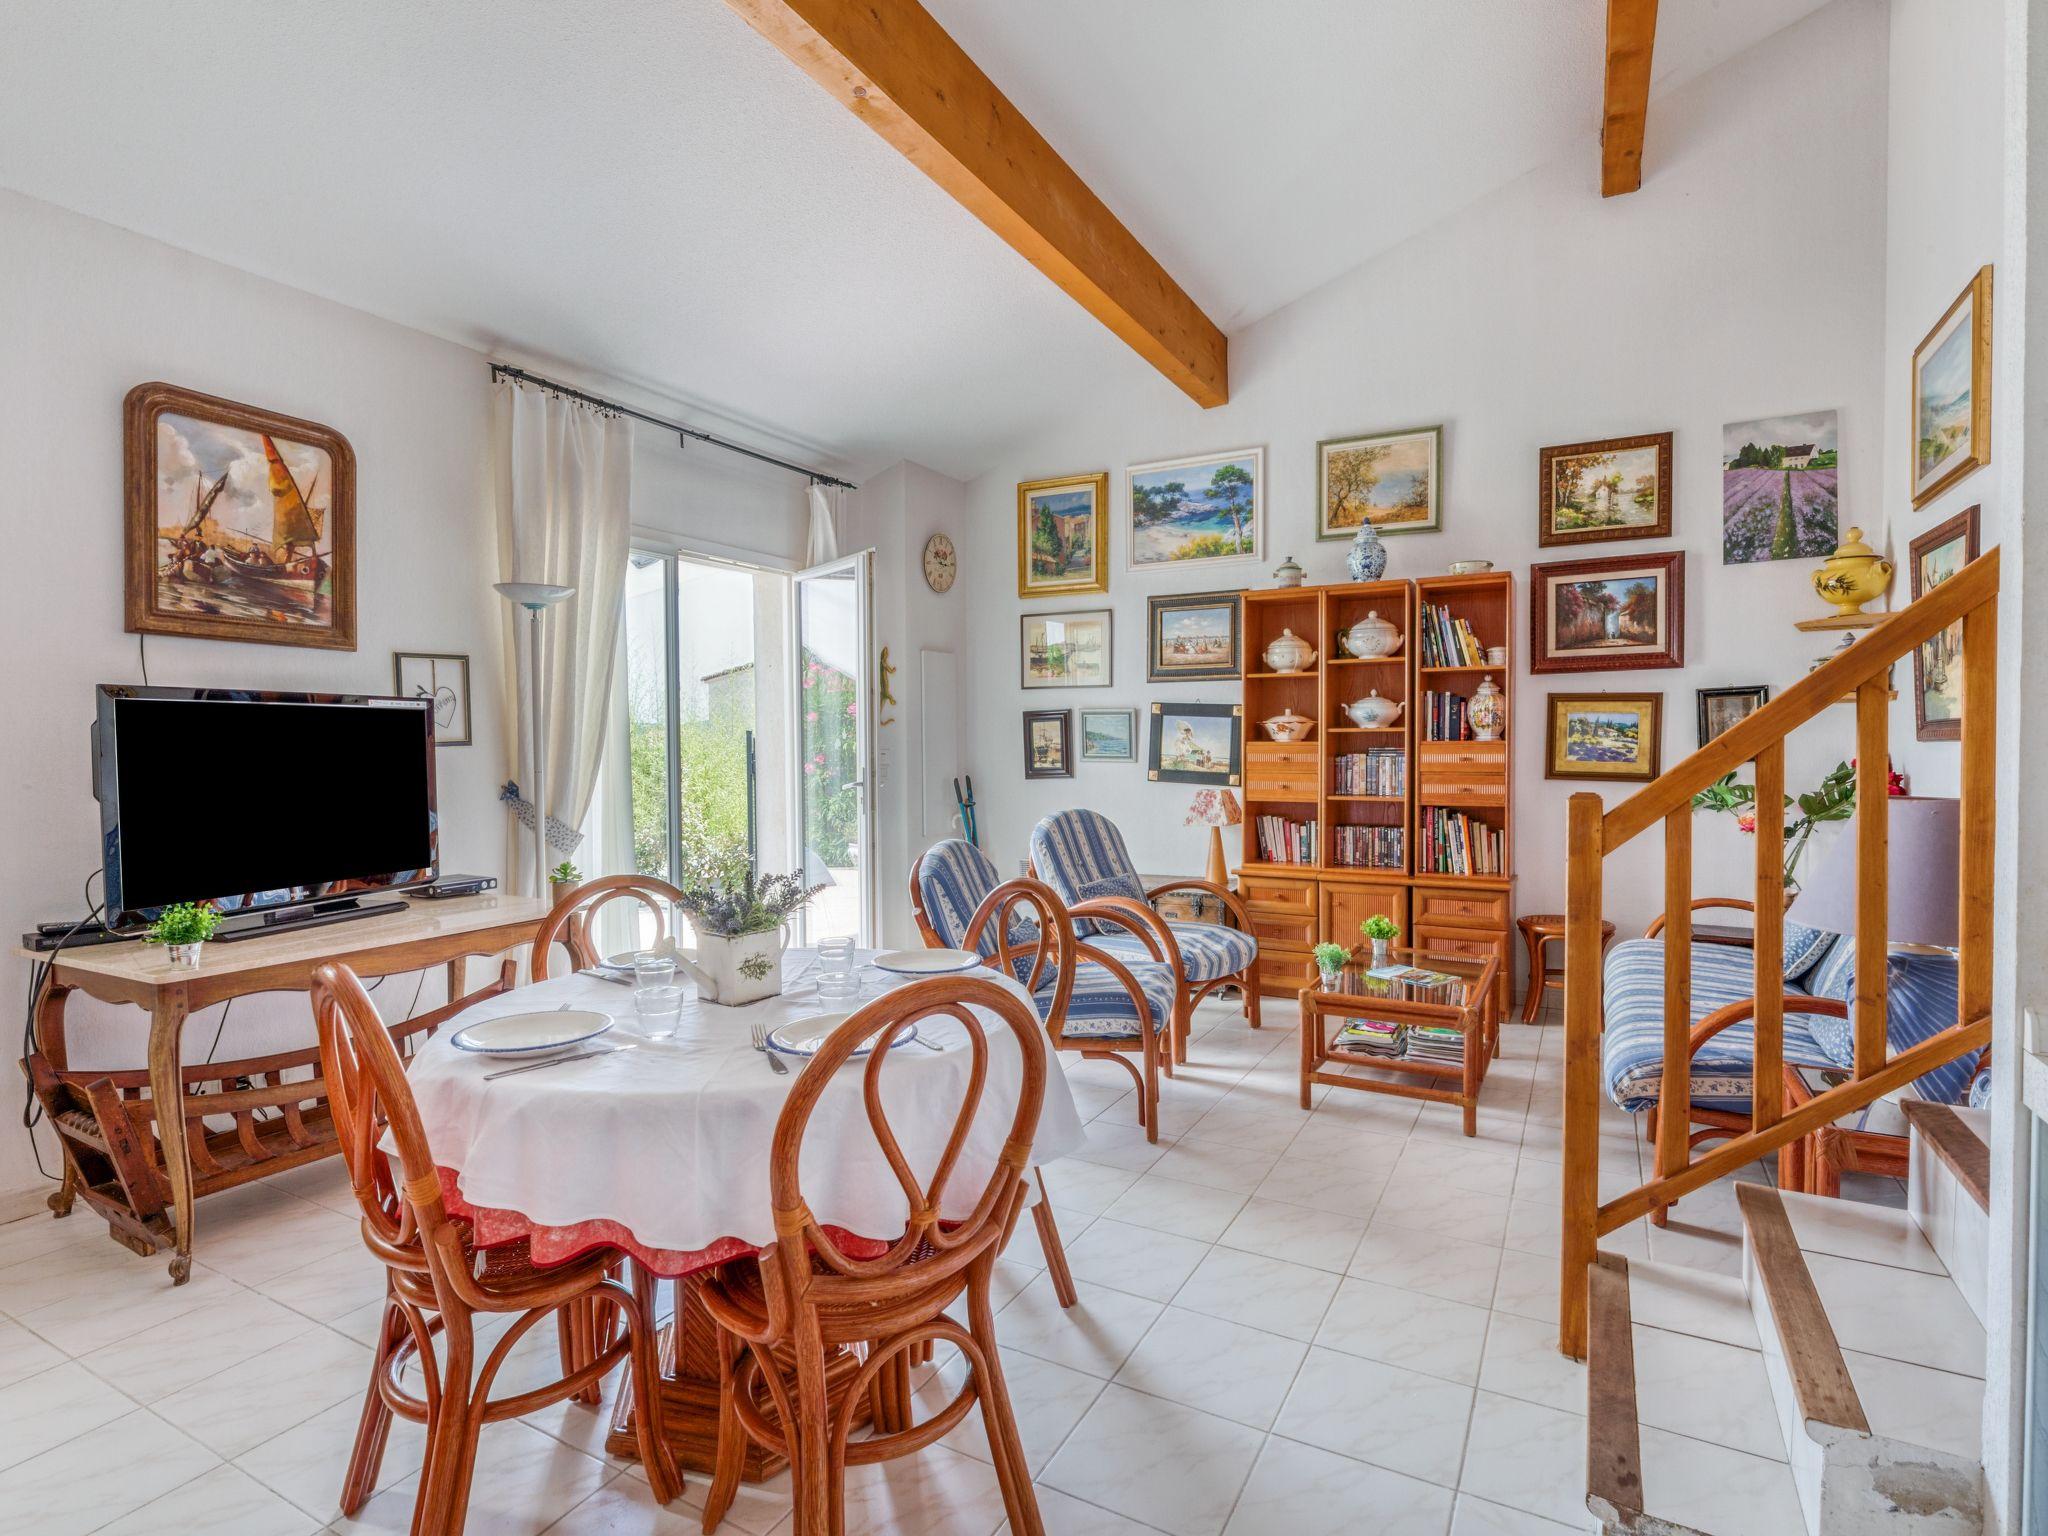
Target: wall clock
x=941 y=565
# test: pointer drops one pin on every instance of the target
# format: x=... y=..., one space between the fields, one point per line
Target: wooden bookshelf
x=1295 y=904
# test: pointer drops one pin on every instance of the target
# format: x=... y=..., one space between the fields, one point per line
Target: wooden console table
x=96 y=1121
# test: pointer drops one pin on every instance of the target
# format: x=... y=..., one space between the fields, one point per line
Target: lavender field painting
x=1778 y=489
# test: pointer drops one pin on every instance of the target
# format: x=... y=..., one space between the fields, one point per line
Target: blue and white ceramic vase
x=1368 y=560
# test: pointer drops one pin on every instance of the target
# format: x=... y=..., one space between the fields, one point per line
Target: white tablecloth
x=670 y=1138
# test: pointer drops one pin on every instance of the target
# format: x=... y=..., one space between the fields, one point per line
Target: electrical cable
x=142 y=655
x=38 y=973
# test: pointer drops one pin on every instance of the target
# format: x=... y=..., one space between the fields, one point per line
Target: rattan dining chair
x=778 y=1311
x=439 y=1283
x=570 y=920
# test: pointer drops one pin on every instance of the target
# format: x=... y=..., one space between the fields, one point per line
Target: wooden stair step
x=1956 y=1143
x=1813 y=1358
x=1614 y=1453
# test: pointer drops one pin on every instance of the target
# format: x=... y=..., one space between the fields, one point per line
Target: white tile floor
x=1289 y=1323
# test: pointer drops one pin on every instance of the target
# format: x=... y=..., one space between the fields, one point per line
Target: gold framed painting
x=1060 y=527
x=1952 y=393
x=241 y=523
x=1393 y=480
x=1616 y=737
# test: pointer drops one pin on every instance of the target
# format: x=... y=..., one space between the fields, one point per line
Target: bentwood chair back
x=572 y=919
x=438 y=1283
x=812 y=1289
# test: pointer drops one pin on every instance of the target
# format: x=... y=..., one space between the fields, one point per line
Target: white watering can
x=732 y=971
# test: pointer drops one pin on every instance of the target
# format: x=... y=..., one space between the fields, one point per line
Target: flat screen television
x=260 y=802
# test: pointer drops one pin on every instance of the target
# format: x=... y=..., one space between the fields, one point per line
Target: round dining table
x=659 y=1148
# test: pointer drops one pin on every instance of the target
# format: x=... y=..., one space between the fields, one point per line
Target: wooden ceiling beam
x=899 y=72
x=1631 y=33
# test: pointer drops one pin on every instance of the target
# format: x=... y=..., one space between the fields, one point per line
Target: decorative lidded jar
x=1372 y=636
x=1486 y=710
x=1853 y=575
x=1289 y=653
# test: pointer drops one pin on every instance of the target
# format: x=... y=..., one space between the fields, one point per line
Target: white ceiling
x=644 y=189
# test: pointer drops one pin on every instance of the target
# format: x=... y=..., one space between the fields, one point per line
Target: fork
x=760 y=1034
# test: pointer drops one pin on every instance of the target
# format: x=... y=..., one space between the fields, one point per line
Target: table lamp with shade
x=536 y=597
x=1215 y=809
x=1922 y=834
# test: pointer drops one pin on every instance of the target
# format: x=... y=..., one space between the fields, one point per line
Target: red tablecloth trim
x=493 y=1228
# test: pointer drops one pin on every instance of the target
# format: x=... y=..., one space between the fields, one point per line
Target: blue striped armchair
x=1082 y=856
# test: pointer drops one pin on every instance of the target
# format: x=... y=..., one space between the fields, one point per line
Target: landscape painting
x=1608 y=614
x=1197 y=510
x=1779 y=494
x=1197 y=744
x=1617 y=488
x=1059 y=536
x=1604 y=736
x=1194 y=637
x=1066 y=650
x=240 y=522
x=1109 y=735
x=1937 y=555
x=1391 y=481
x=1952 y=393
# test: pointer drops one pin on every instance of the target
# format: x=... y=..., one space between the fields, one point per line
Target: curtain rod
x=507 y=371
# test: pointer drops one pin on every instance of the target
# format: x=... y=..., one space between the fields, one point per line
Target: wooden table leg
x=1475 y=1068
x=49 y=1040
x=167 y=1089
x=1311 y=1042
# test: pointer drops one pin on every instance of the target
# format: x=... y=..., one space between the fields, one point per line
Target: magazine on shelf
x=1370 y=1037
x=1412 y=975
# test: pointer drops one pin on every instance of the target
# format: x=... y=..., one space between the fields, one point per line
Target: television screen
x=260 y=800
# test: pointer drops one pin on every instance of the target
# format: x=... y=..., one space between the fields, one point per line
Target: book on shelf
x=1375 y=771
x=1446 y=717
x=1282 y=841
x=1370 y=1037
x=1368 y=847
x=1453 y=843
x=1447 y=640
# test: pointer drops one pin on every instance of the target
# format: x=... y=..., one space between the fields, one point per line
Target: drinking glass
x=660 y=1009
x=837 y=979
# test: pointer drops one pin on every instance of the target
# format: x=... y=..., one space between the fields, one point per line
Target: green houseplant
x=1330 y=960
x=1382 y=930
x=1833 y=799
x=181 y=928
x=741 y=933
x=563 y=879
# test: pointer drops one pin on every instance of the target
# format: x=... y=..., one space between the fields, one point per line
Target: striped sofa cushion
x=1100 y=1007
x=1722 y=1071
x=1208 y=951
x=1921 y=996
x=1081 y=855
x=953 y=879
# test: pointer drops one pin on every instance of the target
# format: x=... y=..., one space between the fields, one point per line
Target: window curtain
x=823 y=544
x=563 y=483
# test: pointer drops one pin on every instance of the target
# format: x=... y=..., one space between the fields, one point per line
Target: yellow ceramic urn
x=1853 y=575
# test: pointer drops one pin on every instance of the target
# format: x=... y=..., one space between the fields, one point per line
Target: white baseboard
x=18 y=1204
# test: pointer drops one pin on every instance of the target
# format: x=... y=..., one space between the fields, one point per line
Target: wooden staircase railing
x=1969 y=598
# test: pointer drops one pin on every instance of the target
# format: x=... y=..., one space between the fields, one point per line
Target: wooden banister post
x=1581 y=1205
x=1873 y=871
x=1767 y=1055
x=1979 y=766
x=1674 y=1096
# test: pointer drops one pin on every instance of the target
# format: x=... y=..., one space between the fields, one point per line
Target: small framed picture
x=445 y=680
x=1610 y=614
x=1202 y=510
x=1109 y=735
x=1193 y=637
x=1048 y=743
x=1617 y=488
x=1197 y=744
x=1938 y=554
x=1060 y=524
x=1611 y=736
x=1065 y=650
x=1393 y=480
x=1951 y=422
x=1723 y=707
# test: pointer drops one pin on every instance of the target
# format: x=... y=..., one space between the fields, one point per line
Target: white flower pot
x=736 y=971
x=184 y=957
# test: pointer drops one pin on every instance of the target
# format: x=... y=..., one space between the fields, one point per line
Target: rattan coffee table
x=1434 y=991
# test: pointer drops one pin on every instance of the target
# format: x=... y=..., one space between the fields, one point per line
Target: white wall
x=1745 y=279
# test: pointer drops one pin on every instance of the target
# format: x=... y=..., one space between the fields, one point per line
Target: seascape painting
x=240 y=522
x=1194 y=637
x=1390 y=481
x=1048 y=744
x=1603 y=736
x=1066 y=650
x=1951 y=393
x=1109 y=735
x=1197 y=743
x=1197 y=510
x=1779 y=493
x=1618 y=488
x=1059 y=536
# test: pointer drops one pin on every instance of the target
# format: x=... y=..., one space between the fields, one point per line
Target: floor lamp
x=534 y=597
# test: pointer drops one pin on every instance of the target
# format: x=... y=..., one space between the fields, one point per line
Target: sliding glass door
x=833 y=733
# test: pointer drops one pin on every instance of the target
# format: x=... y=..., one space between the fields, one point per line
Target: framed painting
x=1197 y=744
x=1193 y=637
x=1060 y=523
x=1065 y=650
x=1109 y=735
x=445 y=680
x=1393 y=480
x=1610 y=736
x=1722 y=707
x=1592 y=493
x=1937 y=555
x=1778 y=489
x=1610 y=614
x=241 y=523
x=1204 y=510
x=1952 y=393
x=1048 y=743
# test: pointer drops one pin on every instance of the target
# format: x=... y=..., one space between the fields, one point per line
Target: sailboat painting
x=241 y=522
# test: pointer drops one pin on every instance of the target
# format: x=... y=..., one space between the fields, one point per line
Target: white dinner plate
x=520 y=1034
x=803 y=1037
x=926 y=962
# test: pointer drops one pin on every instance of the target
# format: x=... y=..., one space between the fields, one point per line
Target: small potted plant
x=563 y=879
x=1382 y=930
x=740 y=935
x=182 y=928
x=1330 y=960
